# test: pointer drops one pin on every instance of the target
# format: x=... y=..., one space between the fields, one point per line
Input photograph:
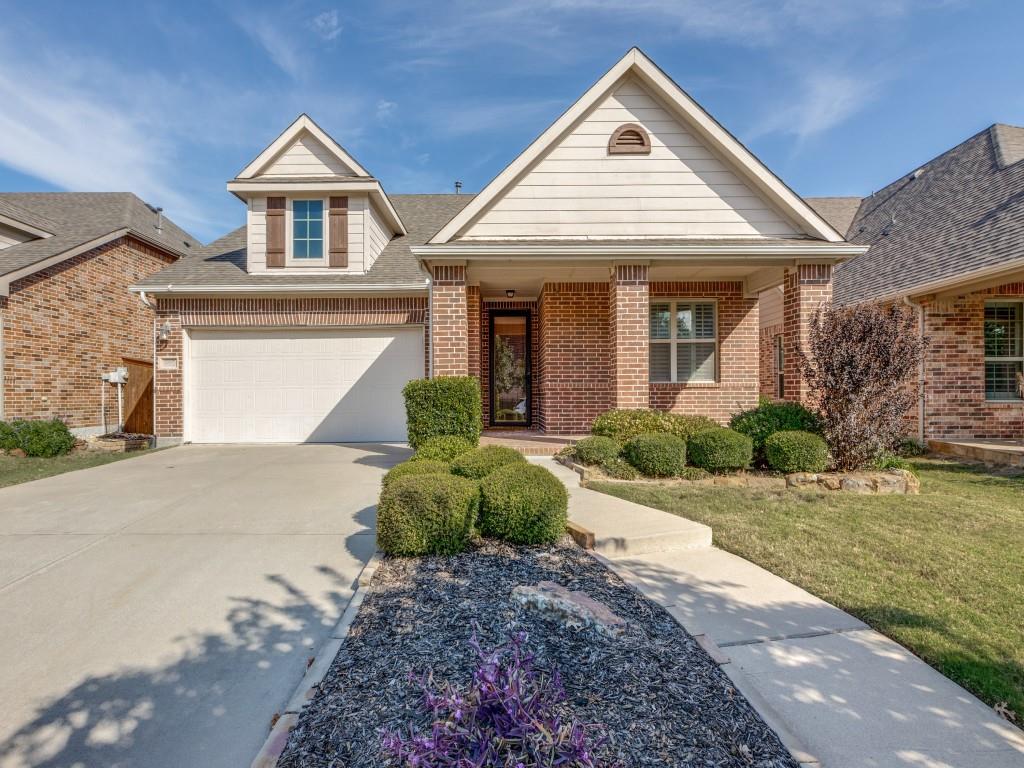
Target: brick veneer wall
x=573 y=361
x=450 y=321
x=67 y=324
x=955 y=404
x=805 y=288
x=480 y=328
x=768 y=378
x=628 y=335
x=737 y=386
x=474 y=330
x=263 y=312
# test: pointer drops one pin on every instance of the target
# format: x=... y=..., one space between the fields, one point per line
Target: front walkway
x=840 y=694
x=1000 y=452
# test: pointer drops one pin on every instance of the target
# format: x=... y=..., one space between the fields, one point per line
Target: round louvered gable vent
x=629 y=139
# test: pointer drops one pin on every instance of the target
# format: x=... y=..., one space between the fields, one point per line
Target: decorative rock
x=857 y=484
x=801 y=479
x=17 y=453
x=573 y=609
x=895 y=481
x=912 y=481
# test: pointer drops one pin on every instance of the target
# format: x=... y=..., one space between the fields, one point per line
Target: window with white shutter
x=683 y=341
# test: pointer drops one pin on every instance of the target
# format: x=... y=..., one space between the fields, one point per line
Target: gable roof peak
x=300 y=125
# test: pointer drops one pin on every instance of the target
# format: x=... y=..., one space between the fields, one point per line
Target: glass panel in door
x=509 y=384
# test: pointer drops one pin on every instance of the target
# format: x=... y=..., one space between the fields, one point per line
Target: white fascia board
x=23 y=227
x=31 y=269
x=815 y=252
x=374 y=288
x=302 y=123
x=637 y=62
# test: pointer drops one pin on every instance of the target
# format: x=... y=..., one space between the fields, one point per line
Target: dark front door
x=510 y=368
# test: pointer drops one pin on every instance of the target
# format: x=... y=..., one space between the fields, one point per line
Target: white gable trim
x=635 y=62
x=302 y=123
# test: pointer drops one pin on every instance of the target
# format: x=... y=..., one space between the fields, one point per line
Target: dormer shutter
x=338 y=227
x=275 y=232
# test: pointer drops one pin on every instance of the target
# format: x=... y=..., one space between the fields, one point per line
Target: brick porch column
x=167 y=376
x=806 y=287
x=628 y=308
x=449 y=326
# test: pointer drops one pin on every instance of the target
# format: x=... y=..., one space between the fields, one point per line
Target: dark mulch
x=661 y=698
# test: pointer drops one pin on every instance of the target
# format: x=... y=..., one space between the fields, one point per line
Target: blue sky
x=171 y=100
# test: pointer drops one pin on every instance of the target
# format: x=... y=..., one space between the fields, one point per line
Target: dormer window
x=629 y=139
x=307 y=230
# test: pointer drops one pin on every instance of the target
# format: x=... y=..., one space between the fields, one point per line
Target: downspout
x=430 y=327
x=920 y=368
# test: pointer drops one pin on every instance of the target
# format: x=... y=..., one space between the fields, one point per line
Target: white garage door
x=258 y=386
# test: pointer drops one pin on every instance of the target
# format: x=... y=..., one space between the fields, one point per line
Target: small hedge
x=620 y=469
x=445 y=405
x=37 y=438
x=443 y=448
x=596 y=450
x=656 y=455
x=427 y=514
x=796 y=451
x=769 y=417
x=481 y=462
x=720 y=450
x=624 y=425
x=425 y=467
x=524 y=504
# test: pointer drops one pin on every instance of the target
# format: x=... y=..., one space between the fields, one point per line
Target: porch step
x=622 y=528
x=528 y=442
x=1003 y=452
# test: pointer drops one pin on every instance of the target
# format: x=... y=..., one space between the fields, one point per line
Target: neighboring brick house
x=615 y=263
x=948 y=240
x=66 y=314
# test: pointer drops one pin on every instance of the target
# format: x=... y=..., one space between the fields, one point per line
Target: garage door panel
x=298 y=386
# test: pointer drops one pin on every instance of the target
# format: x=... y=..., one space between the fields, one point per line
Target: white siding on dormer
x=306 y=157
x=10 y=236
x=578 y=190
x=378 y=235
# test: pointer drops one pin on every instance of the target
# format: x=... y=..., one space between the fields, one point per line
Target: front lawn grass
x=21 y=470
x=941 y=573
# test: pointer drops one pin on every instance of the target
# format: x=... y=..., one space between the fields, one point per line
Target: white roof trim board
x=302 y=123
x=21 y=226
x=636 y=63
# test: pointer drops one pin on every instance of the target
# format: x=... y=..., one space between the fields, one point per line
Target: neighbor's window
x=1004 y=350
x=307 y=229
x=683 y=341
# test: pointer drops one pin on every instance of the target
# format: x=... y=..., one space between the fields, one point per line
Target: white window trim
x=289 y=228
x=674 y=342
x=1003 y=358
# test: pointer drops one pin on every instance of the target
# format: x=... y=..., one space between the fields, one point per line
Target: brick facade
x=769 y=371
x=449 y=320
x=312 y=312
x=806 y=287
x=629 y=335
x=736 y=388
x=67 y=324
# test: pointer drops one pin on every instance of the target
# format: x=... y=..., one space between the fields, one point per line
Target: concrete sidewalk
x=840 y=694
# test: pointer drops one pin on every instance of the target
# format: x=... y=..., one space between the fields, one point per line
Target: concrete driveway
x=158 y=611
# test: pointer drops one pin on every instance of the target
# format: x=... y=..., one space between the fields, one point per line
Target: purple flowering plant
x=508 y=717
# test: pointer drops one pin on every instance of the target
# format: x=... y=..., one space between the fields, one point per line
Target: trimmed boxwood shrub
x=656 y=455
x=625 y=424
x=769 y=417
x=427 y=514
x=8 y=437
x=620 y=469
x=796 y=451
x=444 y=405
x=720 y=450
x=425 y=467
x=596 y=450
x=524 y=504
x=39 y=438
x=442 y=448
x=480 y=462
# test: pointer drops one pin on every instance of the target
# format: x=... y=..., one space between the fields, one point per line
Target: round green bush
x=425 y=467
x=8 y=437
x=795 y=451
x=524 y=504
x=720 y=450
x=624 y=424
x=656 y=455
x=596 y=450
x=769 y=417
x=443 y=448
x=620 y=469
x=43 y=438
x=427 y=514
x=480 y=462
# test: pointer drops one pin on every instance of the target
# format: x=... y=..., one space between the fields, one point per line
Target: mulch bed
x=661 y=698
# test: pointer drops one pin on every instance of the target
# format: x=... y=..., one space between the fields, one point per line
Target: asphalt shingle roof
x=74 y=218
x=223 y=261
x=837 y=211
x=956 y=214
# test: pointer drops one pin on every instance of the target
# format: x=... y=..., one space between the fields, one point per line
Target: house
x=947 y=239
x=66 y=315
x=615 y=263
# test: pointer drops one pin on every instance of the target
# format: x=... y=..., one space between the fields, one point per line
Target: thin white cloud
x=825 y=100
x=270 y=35
x=327 y=25
x=385 y=109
